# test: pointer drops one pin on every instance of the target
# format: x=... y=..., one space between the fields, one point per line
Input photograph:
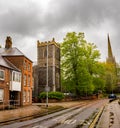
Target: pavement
x=6 y=115
x=33 y=109
x=111 y=116
x=63 y=104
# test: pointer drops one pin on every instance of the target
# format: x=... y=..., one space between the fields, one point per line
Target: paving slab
x=111 y=116
x=19 y=112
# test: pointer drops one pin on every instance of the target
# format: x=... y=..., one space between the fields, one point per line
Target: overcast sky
x=27 y=21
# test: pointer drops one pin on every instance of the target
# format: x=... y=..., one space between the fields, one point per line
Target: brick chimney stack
x=8 y=42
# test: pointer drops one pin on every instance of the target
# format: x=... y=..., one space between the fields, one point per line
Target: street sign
x=47 y=88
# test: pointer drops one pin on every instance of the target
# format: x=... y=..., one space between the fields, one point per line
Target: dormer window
x=2 y=74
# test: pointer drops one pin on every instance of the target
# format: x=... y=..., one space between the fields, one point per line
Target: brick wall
x=4 y=84
x=19 y=62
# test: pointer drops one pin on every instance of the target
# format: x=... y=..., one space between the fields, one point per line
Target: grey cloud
x=21 y=20
x=75 y=12
x=30 y=18
x=82 y=12
x=27 y=19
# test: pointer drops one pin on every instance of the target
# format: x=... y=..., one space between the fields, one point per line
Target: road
x=76 y=117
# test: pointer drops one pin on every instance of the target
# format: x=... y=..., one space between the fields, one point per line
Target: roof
x=5 y=63
x=11 y=52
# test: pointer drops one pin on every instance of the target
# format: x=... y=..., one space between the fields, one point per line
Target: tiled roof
x=11 y=52
x=5 y=63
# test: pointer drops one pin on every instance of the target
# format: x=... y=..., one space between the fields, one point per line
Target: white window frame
x=29 y=67
x=16 y=76
x=28 y=96
x=25 y=65
x=24 y=96
x=25 y=80
x=3 y=71
x=29 y=80
x=1 y=95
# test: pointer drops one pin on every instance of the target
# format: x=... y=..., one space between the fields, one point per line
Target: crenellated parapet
x=39 y=44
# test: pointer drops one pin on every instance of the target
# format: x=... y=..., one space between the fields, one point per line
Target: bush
x=52 y=95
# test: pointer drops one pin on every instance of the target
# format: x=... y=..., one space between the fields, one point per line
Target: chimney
x=8 y=42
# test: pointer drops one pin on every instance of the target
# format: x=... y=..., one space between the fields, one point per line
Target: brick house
x=24 y=65
x=10 y=82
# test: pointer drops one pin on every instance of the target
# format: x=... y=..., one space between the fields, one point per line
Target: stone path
x=19 y=112
x=111 y=116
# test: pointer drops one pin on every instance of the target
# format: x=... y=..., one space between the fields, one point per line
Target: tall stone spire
x=110 y=58
x=110 y=55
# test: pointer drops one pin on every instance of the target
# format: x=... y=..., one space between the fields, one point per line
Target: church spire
x=110 y=58
x=109 y=48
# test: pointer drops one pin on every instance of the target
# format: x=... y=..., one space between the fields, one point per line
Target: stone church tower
x=40 y=70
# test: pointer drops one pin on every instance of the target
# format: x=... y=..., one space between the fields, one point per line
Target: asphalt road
x=80 y=116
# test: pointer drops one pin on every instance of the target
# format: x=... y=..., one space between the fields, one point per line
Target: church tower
x=48 y=67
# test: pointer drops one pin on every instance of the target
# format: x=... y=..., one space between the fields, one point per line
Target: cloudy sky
x=27 y=21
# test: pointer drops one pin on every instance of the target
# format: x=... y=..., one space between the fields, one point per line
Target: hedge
x=52 y=95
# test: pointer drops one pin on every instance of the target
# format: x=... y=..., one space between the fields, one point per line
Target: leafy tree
x=79 y=61
x=110 y=77
x=99 y=78
x=70 y=61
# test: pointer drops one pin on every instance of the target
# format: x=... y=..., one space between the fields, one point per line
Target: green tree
x=98 y=77
x=70 y=53
x=110 y=77
x=79 y=61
